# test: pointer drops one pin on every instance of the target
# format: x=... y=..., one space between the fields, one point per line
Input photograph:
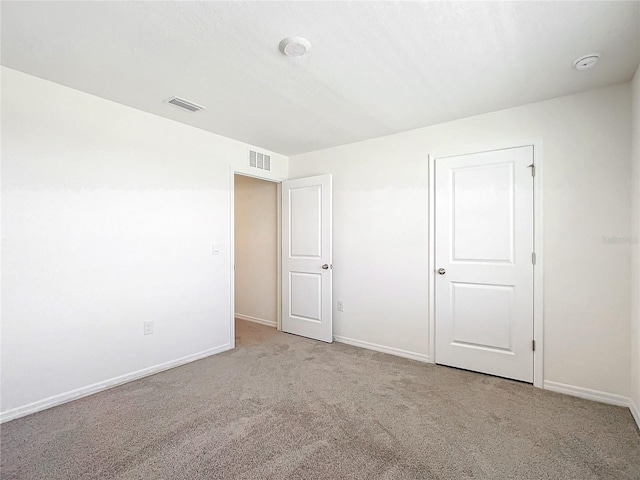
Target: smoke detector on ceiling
x=294 y=46
x=586 y=62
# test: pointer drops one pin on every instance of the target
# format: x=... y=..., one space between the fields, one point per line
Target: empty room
x=320 y=240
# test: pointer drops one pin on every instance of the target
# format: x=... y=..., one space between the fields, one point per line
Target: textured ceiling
x=375 y=68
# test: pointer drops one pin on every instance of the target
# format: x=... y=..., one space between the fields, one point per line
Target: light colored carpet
x=285 y=407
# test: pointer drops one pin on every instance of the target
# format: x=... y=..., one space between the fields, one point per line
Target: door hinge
x=533 y=345
x=533 y=258
x=533 y=169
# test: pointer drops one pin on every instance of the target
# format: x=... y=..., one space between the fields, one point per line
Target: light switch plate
x=148 y=328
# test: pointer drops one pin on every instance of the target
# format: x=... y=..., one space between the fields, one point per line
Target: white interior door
x=306 y=257
x=484 y=262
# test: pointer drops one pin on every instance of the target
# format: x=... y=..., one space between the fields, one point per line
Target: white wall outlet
x=148 y=328
x=340 y=306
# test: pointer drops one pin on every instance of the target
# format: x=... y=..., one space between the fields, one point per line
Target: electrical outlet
x=340 y=306
x=148 y=328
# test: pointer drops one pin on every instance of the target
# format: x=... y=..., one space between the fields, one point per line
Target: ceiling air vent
x=185 y=104
x=259 y=160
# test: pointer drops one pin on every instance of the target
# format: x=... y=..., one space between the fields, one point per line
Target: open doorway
x=282 y=254
x=256 y=250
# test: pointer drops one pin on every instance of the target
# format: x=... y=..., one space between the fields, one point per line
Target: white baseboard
x=635 y=411
x=586 y=393
x=421 y=357
x=100 y=386
x=261 y=321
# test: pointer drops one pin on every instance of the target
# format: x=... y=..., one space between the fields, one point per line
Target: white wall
x=108 y=220
x=381 y=230
x=635 y=247
x=256 y=249
x=109 y=213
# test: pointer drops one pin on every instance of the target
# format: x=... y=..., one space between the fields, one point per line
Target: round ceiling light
x=586 y=62
x=294 y=46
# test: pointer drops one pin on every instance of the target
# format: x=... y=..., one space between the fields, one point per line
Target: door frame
x=232 y=248
x=538 y=303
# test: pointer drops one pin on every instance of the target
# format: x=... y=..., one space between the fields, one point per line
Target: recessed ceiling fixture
x=185 y=104
x=294 y=46
x=586 y=62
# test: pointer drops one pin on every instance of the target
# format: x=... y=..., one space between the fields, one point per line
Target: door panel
x=306 y=296
x=484 y=243
x=480 y=194
x=306 y=213
x=488 y=327
x=306 y=248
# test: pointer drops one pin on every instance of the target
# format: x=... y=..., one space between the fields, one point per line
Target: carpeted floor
x=285 y=407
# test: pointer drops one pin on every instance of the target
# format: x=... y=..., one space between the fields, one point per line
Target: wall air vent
x=259 y=160
x=185 y=104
